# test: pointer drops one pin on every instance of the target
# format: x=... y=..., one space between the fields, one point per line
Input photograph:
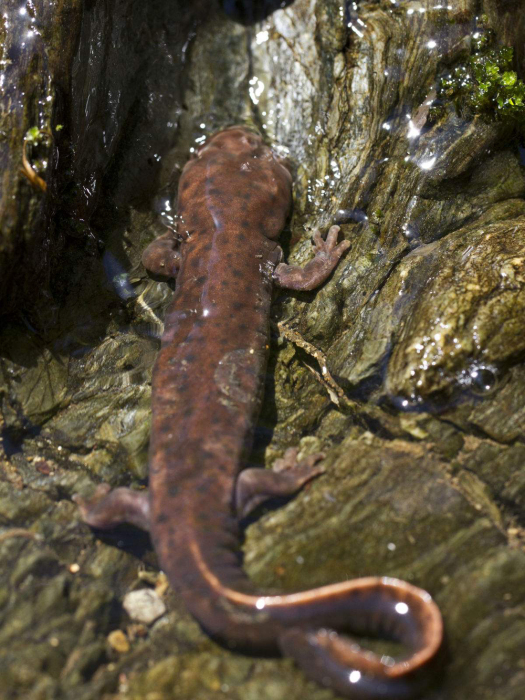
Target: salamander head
x=241 y=179
x=235 y=139
x=242 y=141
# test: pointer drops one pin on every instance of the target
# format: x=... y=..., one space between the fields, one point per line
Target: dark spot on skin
x=245 y=224
x=183 y=388
x=184 y=185
x=236 y=273
x=163 y=518
x=215 y=420
x=245 y=195
x=173 y=491
x=201 y=279
x=202 y=488
x=237 y=305
x=243 y=327
x=229 y=256
x=191 y=357
x=225 y=283
x=241 y=237
x=208 y=246
x=166 y=428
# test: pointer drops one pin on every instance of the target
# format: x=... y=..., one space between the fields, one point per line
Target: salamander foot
x=288 y=475
x=108 y=508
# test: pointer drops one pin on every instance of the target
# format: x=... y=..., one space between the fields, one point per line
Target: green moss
x=33 y=134
x=484 y=84
x=376 y=218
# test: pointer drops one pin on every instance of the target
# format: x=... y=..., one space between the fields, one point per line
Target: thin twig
x=324 y=377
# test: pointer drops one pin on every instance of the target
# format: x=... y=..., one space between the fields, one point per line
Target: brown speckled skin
x=207 y=381
x=234 y=198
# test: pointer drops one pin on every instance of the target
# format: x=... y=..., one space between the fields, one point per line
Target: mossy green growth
x=485 y=84
x=33 y=134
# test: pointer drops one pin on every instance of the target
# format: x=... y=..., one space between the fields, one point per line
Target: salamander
x=233 y=201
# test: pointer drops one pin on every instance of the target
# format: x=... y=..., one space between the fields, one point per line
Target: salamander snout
x=235 y=139
x=244 y=143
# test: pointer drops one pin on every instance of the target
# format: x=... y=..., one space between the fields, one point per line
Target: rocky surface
x=421 y=413
x=37 y=43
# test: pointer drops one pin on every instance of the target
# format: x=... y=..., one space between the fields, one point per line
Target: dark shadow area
x=249 y=12
x=131 y=540
x=12 y=439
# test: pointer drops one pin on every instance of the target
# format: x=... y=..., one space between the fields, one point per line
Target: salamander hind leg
x=327 y=255
x=108 y=508
x=162 y=258
x=288 y=475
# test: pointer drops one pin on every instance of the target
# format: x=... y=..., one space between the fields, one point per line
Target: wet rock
x=37 y=43
x=457 y=308
x=144 y=605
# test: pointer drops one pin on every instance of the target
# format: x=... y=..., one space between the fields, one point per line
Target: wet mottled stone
x=459 y=321
x=37 y=43
x=424 y=437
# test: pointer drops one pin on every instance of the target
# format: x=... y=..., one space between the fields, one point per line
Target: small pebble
x=118 y=641
x=162 y=584
x=144 y=605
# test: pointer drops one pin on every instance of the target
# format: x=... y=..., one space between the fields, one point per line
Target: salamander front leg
x=162 y=258
x=254 y=486
x=108 y=508
x=327 y=255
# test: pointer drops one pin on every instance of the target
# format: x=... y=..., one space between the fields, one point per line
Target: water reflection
x=118 y=276
x=481 y=379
